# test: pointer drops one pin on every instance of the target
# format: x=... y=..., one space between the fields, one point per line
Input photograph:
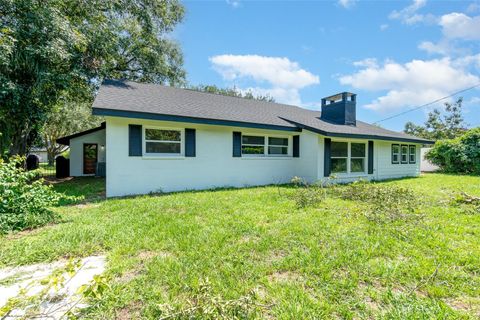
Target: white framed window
x=265 y=146
x=412 y=154
x=163 y=141
x=404 y=155
x=357 y=157
x=277 y=146
x=253 y=145
x=348 y=157
x=339 y=157
x=395 y=153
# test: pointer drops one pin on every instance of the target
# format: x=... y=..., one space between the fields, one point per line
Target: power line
x=427 y=104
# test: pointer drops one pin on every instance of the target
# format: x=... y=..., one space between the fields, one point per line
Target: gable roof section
x=151 y=101
x=66 y=140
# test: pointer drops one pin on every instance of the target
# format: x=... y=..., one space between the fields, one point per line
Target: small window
x=395 y=153
x=404 y=153
x=163 y=141
x=339 y=157
x=412 y=154
x=253 y=145
x=357 y=158
x=277 y=146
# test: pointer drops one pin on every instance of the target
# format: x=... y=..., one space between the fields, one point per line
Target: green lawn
x=327 y=261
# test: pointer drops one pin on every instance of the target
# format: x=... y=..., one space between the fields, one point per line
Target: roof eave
x=359 y=136
x=66 y=140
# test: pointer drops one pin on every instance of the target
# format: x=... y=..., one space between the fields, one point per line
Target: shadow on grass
x=85 y=189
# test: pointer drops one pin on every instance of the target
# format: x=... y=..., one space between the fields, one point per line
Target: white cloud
x=347 y=4
x=473 y=7
x=409 y=15
x=368 y=62
x=234 y=3
x=413 y=83
x=284 y=77
x=442 y=47
x=460 y=26
x=457 y=28
x=384 y=27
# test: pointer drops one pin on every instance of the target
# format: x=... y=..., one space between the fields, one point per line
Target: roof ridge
x=210 y=93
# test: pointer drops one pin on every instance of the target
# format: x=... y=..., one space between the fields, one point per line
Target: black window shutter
x=370 y=157
x=296 y=146
x=134 y=140
x=326 y=157
x=190 y=143
x=237 y=144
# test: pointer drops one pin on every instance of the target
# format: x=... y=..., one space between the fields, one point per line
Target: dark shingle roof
x=126 y=98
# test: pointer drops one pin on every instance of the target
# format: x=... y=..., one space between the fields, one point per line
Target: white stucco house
x=159 y=138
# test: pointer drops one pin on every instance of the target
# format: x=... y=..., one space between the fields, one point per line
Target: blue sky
x=394 y=54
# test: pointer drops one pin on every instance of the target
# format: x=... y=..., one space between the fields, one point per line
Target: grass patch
x=255 y=253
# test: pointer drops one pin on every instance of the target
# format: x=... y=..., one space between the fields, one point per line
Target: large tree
x=50 y=49
x=438 y=127
x=232 y=92
x=66 y=118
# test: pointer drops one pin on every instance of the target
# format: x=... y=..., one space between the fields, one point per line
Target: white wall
x=427 y=166
x=387 y=170
x=213 y=166
x=76 y=150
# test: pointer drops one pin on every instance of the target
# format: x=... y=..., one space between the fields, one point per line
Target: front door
x=90 y=153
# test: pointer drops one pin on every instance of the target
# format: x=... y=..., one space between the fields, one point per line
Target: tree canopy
x=66 y=118
x=50 y=49
x=459 y=155
x=450 y=126
x=232 y=92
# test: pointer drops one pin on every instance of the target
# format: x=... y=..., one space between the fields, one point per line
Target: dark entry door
x=90 y=154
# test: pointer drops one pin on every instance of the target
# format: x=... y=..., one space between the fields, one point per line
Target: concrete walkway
x=57 y=301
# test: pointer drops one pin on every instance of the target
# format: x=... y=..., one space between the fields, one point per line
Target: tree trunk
x=51 y=158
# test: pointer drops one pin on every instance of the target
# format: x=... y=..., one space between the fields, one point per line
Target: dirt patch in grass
x=285 y=277
x=470 y=305
x=248 y=239
x=27 y=232
x=131 y=311
x=371 y=304
x=149 y=254
x=87 y=205
x=276 y=256
x=143 y=257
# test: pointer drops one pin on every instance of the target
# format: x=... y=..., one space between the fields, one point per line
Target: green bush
x=460 y=155
x=24 y=201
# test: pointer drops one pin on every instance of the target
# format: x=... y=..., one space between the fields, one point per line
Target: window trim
x=349 y=159
x=252 y=145
x=266 y=145
x=365 y=163
x=163 y=155
x=410 y=154
x=397 y=153
x=267 y=151
x=401 y=154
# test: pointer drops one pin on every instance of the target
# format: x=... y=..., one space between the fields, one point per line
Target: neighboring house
x=87 y=151
x=159 y=138
x=41 y=154
x=426 y=165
